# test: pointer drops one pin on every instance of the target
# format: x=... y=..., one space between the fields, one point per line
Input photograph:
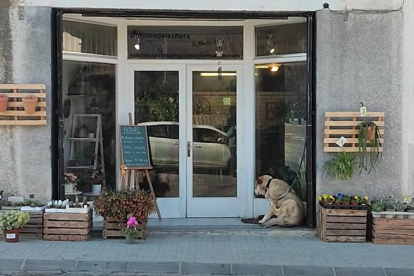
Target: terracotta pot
x=325 y=202
x=4 y=101
x=354 y=203
x=370 y=134
x=346 y=203
x=30 y=103
x=12 y=235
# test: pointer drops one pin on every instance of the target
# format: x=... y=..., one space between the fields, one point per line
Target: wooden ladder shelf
x=338 y=124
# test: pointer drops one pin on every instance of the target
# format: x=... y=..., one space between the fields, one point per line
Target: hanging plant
x=369 y=143
x=342 y=166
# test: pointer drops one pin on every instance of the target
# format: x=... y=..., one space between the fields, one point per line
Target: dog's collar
x=282 y=197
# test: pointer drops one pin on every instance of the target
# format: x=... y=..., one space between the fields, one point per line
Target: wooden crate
x=342 y=225
x=67 y=227
x=345 y=124
x=391 y=230
x=33 y=229
x=15 y=114
x=112 y=228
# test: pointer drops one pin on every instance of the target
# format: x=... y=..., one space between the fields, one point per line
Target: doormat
x=254 y=220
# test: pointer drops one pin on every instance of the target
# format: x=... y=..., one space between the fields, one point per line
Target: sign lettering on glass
x=134 y=146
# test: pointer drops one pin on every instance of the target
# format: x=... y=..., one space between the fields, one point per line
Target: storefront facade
x=191 y=74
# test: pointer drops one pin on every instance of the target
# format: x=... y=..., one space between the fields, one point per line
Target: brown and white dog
x=284 y=203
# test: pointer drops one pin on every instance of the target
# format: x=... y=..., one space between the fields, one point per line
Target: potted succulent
x=131 y=231
x=11 y=222
x=410 y=207
x=71 y=183
x=97 y=178
x=4 y=101
x=377 y=206
x=342 y=166
x=30 y=103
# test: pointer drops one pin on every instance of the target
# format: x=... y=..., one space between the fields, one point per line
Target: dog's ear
x=259 y=180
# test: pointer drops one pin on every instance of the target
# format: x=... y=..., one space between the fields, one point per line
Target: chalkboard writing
x=135 y=151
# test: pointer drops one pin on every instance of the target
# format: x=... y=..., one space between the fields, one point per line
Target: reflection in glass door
x=157 y=106
x=212 y=186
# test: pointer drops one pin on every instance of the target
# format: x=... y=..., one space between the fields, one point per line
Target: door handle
x=188 y=149
x=197 y=146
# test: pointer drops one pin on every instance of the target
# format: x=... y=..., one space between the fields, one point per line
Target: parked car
x=209 y=149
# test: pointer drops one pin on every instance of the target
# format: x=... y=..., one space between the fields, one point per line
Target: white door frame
x=172 y=207
x=216 y=206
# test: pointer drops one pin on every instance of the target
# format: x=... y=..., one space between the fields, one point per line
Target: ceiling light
x=274 y=69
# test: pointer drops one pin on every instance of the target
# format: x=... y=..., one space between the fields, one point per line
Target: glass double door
x=191 y=117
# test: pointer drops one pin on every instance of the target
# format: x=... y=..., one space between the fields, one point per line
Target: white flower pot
x=68 y=188
x=96 y=188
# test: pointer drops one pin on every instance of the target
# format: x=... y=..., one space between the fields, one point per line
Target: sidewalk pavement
x=211 y=254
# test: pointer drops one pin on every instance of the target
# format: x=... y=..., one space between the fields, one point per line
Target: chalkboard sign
x=135 y=150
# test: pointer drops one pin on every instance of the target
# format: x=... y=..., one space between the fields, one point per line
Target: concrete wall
x=359 y=58
x=25 y=58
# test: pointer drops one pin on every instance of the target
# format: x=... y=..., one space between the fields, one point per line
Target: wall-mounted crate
x=33 y=229
x=342 y=225
x=67 y=227
x=338 y=124
x=15 y=113
x=391 y=230
x=113 y=228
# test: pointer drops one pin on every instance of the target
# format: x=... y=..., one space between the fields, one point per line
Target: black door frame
x=57 y=103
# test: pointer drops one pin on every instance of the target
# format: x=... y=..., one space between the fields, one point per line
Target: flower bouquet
x=71 y=183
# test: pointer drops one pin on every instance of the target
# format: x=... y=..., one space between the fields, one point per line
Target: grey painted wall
x=359 y=58
x=25 y=58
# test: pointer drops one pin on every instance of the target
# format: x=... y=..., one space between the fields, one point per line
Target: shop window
x=185 y=42
x=281 y=104
x=89 y=124
x=281 y=39
x=88 y=38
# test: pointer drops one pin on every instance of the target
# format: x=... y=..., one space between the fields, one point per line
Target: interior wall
x=358 y=59
x=25 y=58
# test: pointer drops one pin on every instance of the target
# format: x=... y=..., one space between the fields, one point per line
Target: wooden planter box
x=342 y=225
x=112 y=228
x=391 y=230
x=67 y=227
x=33 y=229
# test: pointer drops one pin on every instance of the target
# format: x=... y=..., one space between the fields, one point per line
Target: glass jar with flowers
x=71 y=183
x=97 y=178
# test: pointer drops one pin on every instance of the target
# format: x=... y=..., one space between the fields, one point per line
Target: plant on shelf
x=131 y=231
x=97 y=178
x=120 y=204
x=369 y=143
x=377 y=205
x=342 y=166
x=11 y=222
x=326 y=199
x=71 y=182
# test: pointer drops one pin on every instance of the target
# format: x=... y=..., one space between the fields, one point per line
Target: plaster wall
x=358 y=58
x=25 y=58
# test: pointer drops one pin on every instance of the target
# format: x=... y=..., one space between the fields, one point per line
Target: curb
x=9 y=265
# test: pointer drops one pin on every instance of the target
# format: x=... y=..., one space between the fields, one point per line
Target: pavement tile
x=205 y=268
x=49 y=265
x=399 y=272
x=246 y=269
x=153 y=267
x=293 y=270
x=11 y=264
x=359 y=271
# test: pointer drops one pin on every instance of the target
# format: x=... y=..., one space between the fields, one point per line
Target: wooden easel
x=128 y=172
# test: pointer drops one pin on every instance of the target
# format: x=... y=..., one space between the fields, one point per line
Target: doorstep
x=217 y=226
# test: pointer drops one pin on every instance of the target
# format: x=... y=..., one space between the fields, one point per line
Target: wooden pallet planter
x=342 y=225
x=33 y=229
x=15 y=114
x=67 y=227
x=345 y=124
x=112 y=228
x=394 y=230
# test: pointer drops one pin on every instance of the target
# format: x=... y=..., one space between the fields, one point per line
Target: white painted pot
x=68 y=188
x=96 y=188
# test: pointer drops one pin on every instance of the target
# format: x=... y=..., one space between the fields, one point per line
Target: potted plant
x=4 y=101
x=369 y=142
x=30 y=103
x=389 y=204
x=410 y=207
x=97 y=178
x=11 y=222
x=131 y=231
x=347 y=200
x=377 y=206
x=326 y=199
x=354 y=200
x=342 y=166
x=71 y=183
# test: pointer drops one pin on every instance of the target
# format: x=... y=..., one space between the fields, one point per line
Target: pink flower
x=132 y=222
